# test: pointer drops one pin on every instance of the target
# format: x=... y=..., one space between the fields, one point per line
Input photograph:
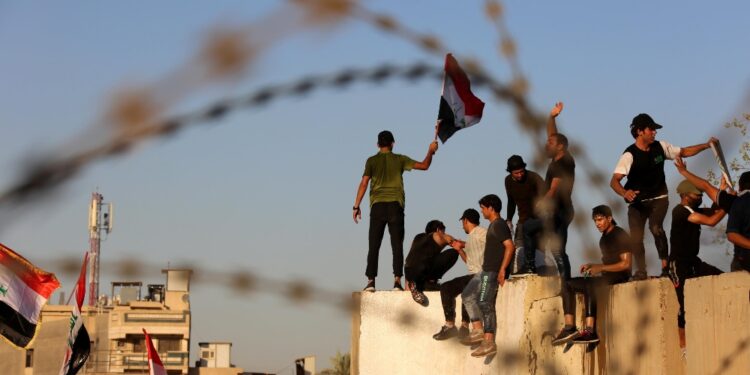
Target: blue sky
x=269 y=189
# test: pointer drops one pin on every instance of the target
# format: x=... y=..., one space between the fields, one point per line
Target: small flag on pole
x=24 y=290
x=79 y=345
x=155 y=367
x=459 y=108
x=719 y=155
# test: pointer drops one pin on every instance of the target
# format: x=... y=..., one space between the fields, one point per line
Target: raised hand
x=556 y=109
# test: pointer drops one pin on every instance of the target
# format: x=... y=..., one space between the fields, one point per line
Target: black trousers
x=392 y=215
x=449 y=290
x=431 y=268
x=534 y=228
x=740 y=263
x=586 y=286
x=682 y=269
x=654 y=211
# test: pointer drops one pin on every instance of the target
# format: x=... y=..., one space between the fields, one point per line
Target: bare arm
x=551 y=123
x=700 y=183
x=738 y=240
x=703 y=219
x=622 y=265
x=554 y=185
x=616 y=184
x=357 y=212
x=507 y=257
x=425 y=164
x=695 y=149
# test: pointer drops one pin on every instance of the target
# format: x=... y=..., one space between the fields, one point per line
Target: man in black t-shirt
x=426 y=260
x=498 y=253
x=555 y=209
x=523 y=189
x=646 y=189
x=615 y=268
x=684 y=241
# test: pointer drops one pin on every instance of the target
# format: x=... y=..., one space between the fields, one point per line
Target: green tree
x=340 y=364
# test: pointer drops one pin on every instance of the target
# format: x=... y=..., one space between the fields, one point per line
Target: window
x=169 y=344
x=29 y=358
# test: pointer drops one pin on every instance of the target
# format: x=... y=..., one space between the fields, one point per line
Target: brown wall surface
x=717 y=313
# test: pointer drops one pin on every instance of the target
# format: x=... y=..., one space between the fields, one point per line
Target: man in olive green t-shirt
x=383 y=172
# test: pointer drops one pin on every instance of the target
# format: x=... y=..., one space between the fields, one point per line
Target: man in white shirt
x=646 y=189
x=471 y=252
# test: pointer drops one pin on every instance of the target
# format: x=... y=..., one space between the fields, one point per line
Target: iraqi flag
x=24 y=289
x=459 y=108
x=155 y=367
x=79 y=344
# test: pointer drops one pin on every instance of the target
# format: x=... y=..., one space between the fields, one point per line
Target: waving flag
x=24 y=289
x=459 y=108
x=155 y=367
x=79 y=344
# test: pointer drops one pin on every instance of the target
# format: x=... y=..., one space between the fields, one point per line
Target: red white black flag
x=155 y=367
x=459 y=108
x=24 y=289
x=79 y=344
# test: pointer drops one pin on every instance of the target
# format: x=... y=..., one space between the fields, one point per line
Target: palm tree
x=340 y=364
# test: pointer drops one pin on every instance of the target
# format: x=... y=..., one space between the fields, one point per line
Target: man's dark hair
x=433 y=226
x=385 y=138
x=744 y=183
x=602 y=210
x=561 y=139
x=492 y=200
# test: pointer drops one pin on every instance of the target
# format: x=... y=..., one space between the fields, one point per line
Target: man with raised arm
x=646 y=189
x=383 y=172
x=555 y=210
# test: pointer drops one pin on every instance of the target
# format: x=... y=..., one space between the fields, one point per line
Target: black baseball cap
x=643 y=121
x=472 y=215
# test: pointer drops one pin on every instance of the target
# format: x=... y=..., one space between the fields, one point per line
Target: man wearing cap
x=523 y=189
x=738 y=226
x=426 y=260
x=684 y=241
x=472 y=253
x=556 y=207
x=615 y=268
x=383 y=172
x=646 y=188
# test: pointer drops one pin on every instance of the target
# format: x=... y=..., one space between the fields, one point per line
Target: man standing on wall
x=738 y=226
x=523 y=188
x=646 y=189
x=383 y=172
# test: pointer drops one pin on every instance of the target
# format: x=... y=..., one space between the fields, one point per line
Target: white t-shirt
x=626 y=160
x=475 y=249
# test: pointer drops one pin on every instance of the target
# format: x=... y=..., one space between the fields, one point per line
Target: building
x=115 y=328
x=215 y=359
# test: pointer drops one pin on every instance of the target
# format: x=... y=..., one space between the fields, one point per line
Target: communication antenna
x=100 y=221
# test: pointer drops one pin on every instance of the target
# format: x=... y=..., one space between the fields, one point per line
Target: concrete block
x=717 y=313
x=637 y=321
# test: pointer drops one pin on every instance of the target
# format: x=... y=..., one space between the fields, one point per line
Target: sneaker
x=397 y=286
x=419 y=297
x=445 y=333
x=525 y=271
x=463 y=332
x=370 y=286
x=431 y=286
x=639 y=275
x=586 y=336
x=566 y=335
x=475 y=337
x=487 y=348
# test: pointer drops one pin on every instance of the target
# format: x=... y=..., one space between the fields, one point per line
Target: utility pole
x=100 y=220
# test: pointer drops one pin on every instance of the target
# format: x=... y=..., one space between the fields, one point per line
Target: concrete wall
x=717 y=312
x=391 y=334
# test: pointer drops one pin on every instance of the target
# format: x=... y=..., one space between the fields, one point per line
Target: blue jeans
x=487 y=296
x=470 y=296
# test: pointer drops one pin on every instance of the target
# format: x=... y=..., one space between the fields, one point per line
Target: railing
x=114 y=360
